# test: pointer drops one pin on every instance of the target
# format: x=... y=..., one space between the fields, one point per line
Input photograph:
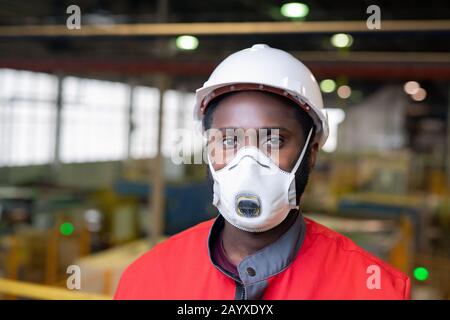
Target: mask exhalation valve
x=248 y=206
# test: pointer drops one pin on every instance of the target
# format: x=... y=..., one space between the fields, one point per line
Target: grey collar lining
x=270 y=260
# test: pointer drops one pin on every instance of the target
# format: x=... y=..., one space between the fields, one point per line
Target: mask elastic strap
x=213 y=173
x=211 y=169
x=303 y=152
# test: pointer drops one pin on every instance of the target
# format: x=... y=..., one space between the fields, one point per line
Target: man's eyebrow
x=262 y=128
x=276 y=128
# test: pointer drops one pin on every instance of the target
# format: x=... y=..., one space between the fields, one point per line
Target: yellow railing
x=42 y=292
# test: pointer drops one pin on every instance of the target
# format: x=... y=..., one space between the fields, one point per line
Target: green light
x=186 y=42
x=341 y=40
x=294 y=10
x=66 y=228
x=421 y=273
x=327 y=85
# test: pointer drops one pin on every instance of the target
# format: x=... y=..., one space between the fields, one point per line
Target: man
x=265 y=111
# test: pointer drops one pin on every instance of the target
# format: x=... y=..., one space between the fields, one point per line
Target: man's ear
x=313 y=156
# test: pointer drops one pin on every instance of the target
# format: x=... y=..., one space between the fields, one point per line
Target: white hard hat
x=266 y=69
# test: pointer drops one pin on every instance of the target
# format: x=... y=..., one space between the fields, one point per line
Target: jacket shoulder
x=356 y=265
x=153 y=265
x=175 y=242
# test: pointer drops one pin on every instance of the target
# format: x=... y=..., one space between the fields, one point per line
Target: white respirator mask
x=252 y=193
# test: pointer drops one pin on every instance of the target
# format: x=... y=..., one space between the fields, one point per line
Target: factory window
x=27 y=114
x=145 y=122
x=193 y=138
x=178 y=124
x=335 y=117
x=94 y=120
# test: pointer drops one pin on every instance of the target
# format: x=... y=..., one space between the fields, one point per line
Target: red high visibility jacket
x=327 y=266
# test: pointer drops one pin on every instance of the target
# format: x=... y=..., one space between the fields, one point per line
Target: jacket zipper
x=243 y=293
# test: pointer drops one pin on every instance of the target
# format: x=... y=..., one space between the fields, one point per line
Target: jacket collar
x=268 y=261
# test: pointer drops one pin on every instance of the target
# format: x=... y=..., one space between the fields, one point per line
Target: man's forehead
x=254 y=120
x=255 y=97
x=260 y=104
x=255 y=110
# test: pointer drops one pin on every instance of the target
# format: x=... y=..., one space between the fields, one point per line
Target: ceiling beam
x=222 y=28
x=143 y=67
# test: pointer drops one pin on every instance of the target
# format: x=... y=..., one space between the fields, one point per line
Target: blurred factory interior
x=90 y=120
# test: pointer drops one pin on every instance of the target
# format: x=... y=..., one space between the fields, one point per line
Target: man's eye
x=274 y=142
x=229 y=142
